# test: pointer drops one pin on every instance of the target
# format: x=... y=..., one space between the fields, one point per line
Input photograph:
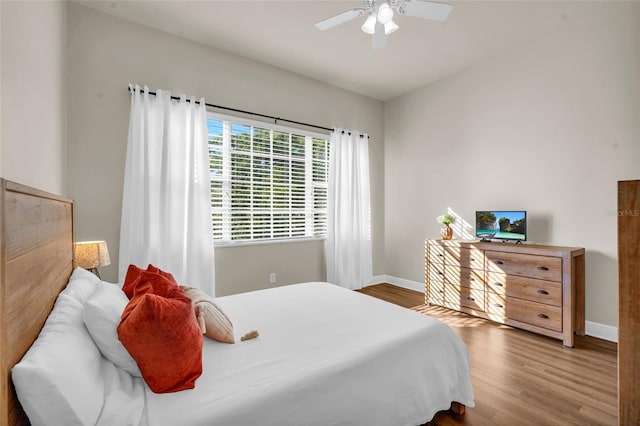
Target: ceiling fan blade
x=379 y=39
x=425 y=9
x=340 y=19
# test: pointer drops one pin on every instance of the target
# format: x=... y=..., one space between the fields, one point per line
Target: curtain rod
x=349 y=133
x=177 y=98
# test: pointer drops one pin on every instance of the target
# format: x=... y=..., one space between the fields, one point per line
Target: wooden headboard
x=36 y=260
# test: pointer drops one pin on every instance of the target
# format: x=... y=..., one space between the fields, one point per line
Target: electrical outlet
x=272 y=277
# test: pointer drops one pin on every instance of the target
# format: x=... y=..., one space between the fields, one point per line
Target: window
x=267 y=182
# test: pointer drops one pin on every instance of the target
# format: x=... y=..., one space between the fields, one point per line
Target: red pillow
x=132 y=281
x=161 y=332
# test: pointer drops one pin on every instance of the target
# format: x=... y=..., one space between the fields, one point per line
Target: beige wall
x=106 y=54
x=33 y=82
x=547 y=127
x=561 y=111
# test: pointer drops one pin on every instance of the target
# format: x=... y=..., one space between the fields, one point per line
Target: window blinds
x=267 y=182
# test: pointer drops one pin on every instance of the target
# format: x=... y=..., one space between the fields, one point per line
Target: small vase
x=446 y=232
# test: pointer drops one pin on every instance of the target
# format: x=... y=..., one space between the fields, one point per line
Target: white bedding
x=325 y=356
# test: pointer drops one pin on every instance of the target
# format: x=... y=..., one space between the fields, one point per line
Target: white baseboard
x=601 y=331
x=593 y=329
x=399 y=282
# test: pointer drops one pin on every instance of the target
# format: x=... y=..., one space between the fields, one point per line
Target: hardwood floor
x=521 y=378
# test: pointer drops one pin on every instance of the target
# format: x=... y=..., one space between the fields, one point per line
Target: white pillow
x=81 y=285
x=101 y=315
x=63 y=379
x=59 y=379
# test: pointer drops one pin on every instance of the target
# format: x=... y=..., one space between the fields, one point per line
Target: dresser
x=533 y=287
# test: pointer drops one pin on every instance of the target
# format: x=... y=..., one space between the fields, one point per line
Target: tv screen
x=501 y=225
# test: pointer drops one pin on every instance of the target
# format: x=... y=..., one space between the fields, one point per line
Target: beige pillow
x=214 y=323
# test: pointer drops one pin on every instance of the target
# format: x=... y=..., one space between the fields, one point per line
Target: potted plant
x=446 y=220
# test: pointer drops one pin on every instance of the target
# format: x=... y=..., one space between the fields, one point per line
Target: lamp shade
x=390 y=27
x=385 y=13
x=369 y=25
x=92 y=254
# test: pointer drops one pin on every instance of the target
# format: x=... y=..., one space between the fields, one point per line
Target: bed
x=325 y=355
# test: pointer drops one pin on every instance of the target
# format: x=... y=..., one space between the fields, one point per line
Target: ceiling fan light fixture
x=390 y=27
x=385 y=13
x=379 y=22
x=369 y=25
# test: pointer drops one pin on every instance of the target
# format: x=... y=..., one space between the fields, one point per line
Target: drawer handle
x=440 y=255
x=471 y=279
x=498 y=284
x=498 y=305
x=543 y=316
x=499 y=262
x=471 y=299
x=471 y=259
x=440 y=273
x=543 y=292
x=543 y=268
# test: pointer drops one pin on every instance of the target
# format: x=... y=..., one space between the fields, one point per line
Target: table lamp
x=90 y=255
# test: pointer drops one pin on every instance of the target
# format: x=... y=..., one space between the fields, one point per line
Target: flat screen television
x=501 y=225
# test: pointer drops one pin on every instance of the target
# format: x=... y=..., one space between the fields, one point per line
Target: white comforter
x=325 y=356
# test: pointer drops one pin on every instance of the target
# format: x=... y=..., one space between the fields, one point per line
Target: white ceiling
x=282 y=34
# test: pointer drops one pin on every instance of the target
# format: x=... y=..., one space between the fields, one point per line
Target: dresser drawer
x=497 y=283
x=547 y=292
x=464 y=296
x=435 y=272
x=464 y=277
x=495 y=305
x=436 y=293
x=435 y=280
x=534 y=313
x=436 y=253
x=463 y=257
x=524 y=265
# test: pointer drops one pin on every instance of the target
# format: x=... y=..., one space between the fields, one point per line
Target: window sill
x=266 y=242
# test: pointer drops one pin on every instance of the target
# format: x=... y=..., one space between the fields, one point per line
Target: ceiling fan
x=379 y=22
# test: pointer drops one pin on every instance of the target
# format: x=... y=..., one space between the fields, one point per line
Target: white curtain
x=166 y=208
x=348 y=243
